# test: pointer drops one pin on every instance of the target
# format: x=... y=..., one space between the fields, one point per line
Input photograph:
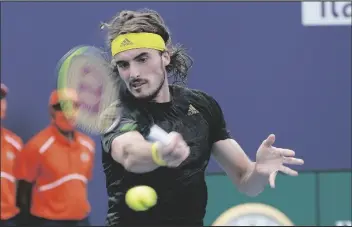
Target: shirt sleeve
x=19 y=144
x=218 y=128
x=28 y=162
x=126 y=124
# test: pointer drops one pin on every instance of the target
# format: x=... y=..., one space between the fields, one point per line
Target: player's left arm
x=237 y=165
x=231 y=157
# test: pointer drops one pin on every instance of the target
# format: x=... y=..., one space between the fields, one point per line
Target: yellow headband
x=137 y=40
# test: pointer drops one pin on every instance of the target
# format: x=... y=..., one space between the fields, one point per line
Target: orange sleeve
x=20 y=142
x=15 y=141
x=27 y=164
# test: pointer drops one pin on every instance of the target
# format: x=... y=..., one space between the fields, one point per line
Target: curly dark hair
x=146 y=20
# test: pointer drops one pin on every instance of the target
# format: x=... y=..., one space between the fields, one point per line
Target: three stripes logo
x=126 y=42
x=192 y=110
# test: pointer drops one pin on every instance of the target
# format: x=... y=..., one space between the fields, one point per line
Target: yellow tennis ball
x=141 y=198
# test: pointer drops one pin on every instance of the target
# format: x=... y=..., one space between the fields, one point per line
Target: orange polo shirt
x=11 y=145
x=60 y=170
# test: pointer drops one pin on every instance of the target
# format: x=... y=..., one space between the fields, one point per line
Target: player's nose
x=134 y=72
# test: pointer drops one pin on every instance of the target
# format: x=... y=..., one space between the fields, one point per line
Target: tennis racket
x=87 y=71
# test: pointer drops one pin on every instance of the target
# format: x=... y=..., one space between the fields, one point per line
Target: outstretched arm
x=238 y=167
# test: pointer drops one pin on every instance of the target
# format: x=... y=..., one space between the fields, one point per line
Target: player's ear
x=166 y=58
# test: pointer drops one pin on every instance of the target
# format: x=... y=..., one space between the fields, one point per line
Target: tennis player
x=144 y=60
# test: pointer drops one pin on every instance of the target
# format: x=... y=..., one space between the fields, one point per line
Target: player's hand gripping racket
x=86 y=71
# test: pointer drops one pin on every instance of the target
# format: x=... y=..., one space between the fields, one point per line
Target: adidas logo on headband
x=137 y=40
x=126 y=42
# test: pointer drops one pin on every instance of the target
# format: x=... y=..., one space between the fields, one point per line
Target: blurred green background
x=313 y=198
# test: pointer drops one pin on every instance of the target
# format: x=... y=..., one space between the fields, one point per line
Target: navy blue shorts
x=36 y=221
x=9 y=222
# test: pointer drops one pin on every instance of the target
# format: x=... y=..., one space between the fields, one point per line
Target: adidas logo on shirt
x=192 y=110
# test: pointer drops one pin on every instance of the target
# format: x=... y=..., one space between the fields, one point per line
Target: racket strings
x=90 y=75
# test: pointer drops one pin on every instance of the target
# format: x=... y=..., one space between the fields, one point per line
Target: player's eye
x=142 y=59
x=122 y=65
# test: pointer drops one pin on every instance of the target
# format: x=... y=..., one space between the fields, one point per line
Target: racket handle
x=158 y=134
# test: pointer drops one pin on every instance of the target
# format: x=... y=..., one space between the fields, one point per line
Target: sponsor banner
x=327 y=13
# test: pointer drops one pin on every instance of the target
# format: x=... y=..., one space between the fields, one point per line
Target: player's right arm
x=129 y=148
x=133 y=152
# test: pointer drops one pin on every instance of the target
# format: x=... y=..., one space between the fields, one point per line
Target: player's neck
x=164 y=94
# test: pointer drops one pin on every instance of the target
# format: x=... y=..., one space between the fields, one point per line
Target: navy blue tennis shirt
x=182 y=191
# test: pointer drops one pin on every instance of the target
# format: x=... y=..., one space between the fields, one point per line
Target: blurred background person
x=54 y=169
x=11 y=145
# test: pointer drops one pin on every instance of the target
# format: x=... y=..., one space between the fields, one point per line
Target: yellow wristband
x=156 y=157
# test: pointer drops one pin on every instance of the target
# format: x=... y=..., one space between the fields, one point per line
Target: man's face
x=142 y=70
x=66 y=121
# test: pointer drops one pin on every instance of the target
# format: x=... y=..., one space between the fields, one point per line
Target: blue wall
x=270 y=73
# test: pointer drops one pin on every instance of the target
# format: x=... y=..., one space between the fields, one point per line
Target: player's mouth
x=137 y=84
